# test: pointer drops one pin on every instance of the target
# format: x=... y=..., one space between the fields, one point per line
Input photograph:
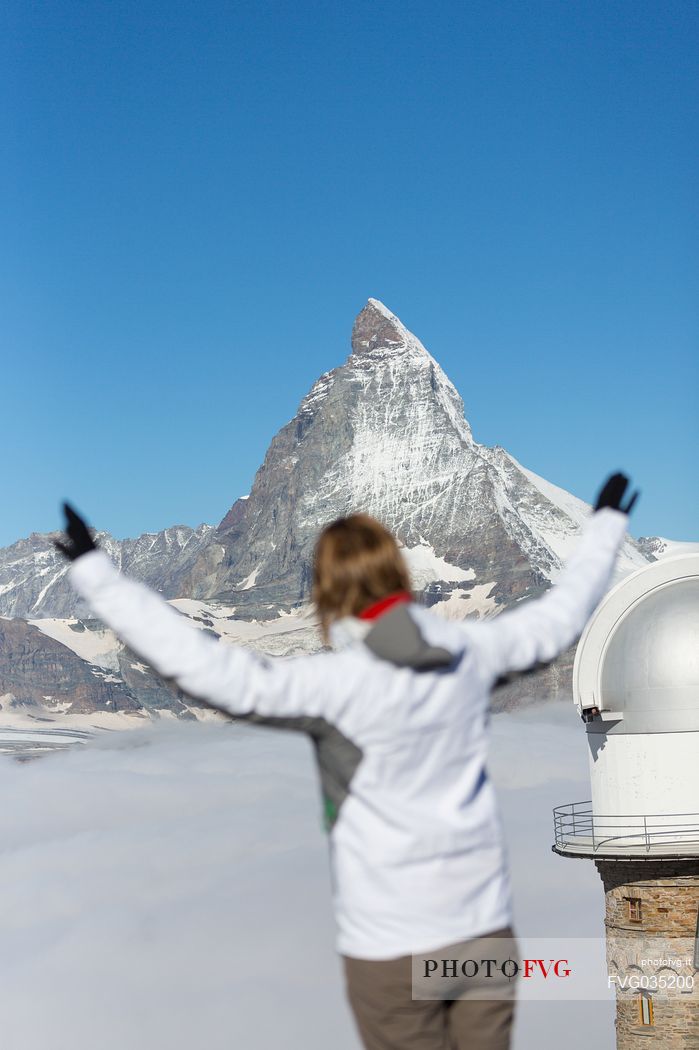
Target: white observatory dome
x=651 y=661
x=638 y=664
x=639 y=657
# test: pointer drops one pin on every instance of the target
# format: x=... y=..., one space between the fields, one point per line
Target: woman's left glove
x=612 y=494
x=77 y=534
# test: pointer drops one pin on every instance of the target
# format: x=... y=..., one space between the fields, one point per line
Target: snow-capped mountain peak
x=384 y=433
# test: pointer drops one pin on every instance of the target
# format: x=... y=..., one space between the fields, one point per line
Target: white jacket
x=417 y=854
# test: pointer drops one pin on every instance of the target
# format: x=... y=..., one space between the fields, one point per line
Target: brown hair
x=357 y=562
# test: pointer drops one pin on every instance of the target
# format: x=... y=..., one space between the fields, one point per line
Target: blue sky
x=197 y=199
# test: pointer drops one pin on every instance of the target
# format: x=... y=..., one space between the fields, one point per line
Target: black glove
x=79 y=539
x=612 y=492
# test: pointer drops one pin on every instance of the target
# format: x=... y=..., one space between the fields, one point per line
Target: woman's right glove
x=612 y=493
x=78 y=535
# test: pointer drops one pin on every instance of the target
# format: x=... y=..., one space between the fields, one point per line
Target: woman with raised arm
x=398 y=717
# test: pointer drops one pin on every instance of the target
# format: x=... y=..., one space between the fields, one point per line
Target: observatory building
x=636 y=686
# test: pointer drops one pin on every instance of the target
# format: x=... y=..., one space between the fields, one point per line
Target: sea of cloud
x=167 y=889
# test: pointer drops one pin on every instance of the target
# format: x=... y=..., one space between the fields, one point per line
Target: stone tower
x=655 y=903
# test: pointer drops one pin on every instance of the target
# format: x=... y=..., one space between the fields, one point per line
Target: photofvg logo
x=554 y=969
x=488 y=967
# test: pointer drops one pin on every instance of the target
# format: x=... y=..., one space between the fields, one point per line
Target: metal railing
x=578 y=829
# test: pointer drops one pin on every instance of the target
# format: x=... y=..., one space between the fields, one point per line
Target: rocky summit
x=384 y=433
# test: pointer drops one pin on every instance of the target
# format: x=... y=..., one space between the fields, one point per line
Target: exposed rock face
x=36 y=670
x=654 y=548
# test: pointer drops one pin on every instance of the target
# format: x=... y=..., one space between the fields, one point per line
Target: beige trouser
x=388 y=1018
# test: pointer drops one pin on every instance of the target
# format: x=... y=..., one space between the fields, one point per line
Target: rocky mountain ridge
x=33 y=581
x=385 y=433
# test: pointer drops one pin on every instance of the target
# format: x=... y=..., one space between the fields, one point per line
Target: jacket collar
x=350 y=629
x=392 y=635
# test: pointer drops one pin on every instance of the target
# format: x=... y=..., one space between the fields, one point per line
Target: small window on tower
x=645 y=1010
x=634 y=909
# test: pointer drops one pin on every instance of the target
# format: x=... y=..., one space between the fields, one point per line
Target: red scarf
x=372 y=612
